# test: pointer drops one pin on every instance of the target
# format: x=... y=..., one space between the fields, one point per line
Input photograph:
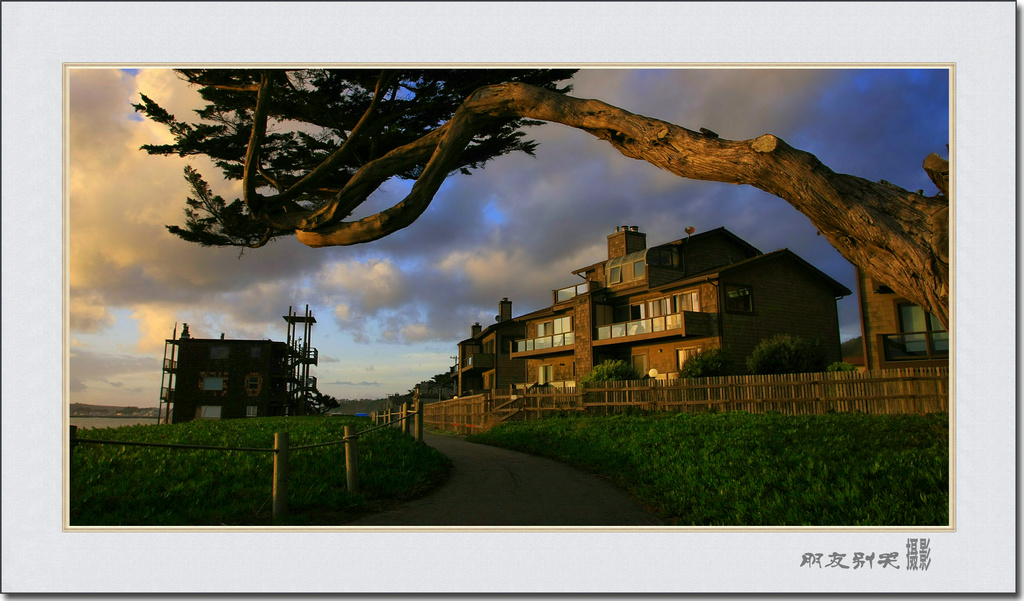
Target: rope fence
x=282 y=449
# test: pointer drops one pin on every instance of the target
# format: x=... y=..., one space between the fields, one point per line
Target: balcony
x=478 y=361
x=570 y=292
x=687 y=323
x=170 y=365
x=546 y=342
x=916 y=346
x=166 y=394
x=310 y=358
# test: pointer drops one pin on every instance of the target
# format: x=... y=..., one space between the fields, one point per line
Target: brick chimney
x=626 y=239
x=504 y=310
x=476 y=329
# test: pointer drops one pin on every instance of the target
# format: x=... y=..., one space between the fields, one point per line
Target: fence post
x=405 y=415
x=419 y=420
x=280 y=474
x=74 y=435
x=351 y=460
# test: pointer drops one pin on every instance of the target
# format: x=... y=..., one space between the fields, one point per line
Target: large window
x=250 y=411
x=739 y=298
x=638 y=269
x=921 y=336
x=640 y=364
x=687 y=301
x=627 y=268
x=208 y=412
x=550 y=334
x=663 y=257
x=683 y=355
x=218 y=352
x=659 y=307
x=615 y=275
x=213 y=383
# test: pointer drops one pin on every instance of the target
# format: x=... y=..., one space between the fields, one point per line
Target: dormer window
x=627 y=268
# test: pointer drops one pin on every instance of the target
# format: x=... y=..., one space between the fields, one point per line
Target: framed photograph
x=486 y=205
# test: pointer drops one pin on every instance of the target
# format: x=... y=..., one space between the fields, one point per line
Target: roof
x=491 y=328
x=837 y=288
x=226 y=340
x=718 y=231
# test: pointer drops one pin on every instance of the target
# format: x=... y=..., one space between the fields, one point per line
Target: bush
x=785 y=354
x=611 y=370
x=841 y=366
x=708 y=363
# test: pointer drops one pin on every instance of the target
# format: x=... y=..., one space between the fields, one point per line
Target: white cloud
x=373 y=284
x=88 y=313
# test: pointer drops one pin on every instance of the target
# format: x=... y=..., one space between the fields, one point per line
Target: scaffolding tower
x=168 y=373
x=301 y=387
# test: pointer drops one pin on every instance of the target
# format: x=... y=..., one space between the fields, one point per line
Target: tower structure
x=301 y=356
x=167 y=374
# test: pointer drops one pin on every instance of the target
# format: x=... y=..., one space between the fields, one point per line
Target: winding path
x=491 y=486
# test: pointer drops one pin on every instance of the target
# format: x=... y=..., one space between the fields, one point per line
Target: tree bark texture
x=898 y=237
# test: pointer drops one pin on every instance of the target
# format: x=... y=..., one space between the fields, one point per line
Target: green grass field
x=112 y=485
x=740 y=469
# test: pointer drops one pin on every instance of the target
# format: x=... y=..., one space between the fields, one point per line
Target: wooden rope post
x=419 y=420
x=405 y=416
x=351 y=460
x=74 y=435
x=280 y=474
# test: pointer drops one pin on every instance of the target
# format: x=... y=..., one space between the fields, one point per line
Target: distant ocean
x=110 y=422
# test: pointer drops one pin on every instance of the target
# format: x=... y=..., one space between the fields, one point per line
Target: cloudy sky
x=391 y=312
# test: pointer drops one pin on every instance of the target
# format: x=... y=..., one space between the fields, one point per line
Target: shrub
x=708 y=363
x=841 y=366
x=611 y=370
x=785 y=354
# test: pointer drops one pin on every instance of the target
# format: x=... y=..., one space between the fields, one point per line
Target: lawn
x=114 y=485
x=741 y=469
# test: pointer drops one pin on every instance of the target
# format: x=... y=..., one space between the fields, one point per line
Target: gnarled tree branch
x=896 y=236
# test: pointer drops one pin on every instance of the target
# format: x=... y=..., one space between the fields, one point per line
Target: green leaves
x=311 y=113
x=742 y=469
x=114 y=485
x=610 y=370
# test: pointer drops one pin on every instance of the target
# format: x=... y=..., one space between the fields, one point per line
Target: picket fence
x=894 y=391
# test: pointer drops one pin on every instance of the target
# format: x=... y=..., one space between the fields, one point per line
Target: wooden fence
x=917 y=390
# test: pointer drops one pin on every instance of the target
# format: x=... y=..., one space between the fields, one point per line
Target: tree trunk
x=896 y=236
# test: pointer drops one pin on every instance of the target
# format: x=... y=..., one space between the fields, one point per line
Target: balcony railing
x=170 y=365
x=478 y=361
x=918 y=346
x=640 y=326
x=166 y=394
x=568 y=292
x=546 y=342
x=312 y=357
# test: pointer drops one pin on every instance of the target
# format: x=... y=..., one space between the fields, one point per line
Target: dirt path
x=490 y=486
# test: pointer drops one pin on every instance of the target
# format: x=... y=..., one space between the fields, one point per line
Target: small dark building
x=211 y=378
x=226 y=379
